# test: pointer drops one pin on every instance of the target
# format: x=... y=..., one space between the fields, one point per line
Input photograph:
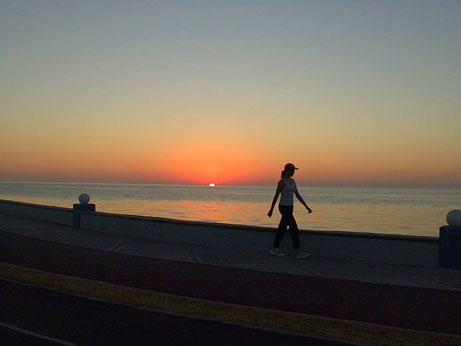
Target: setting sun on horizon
x=354 y=94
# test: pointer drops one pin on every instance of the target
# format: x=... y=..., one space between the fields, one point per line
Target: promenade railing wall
x=39 y=212
x=370 y=247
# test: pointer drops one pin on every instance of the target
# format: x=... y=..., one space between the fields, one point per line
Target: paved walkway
x=315 y=266
x=272 y=285
x=405 y=307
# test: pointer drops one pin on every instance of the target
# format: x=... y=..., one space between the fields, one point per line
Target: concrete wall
x=411 y=250
x=37 y=212
x=395 y=249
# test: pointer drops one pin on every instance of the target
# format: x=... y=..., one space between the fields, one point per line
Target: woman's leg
x=282 y=226
x=294 y=231
x=289 y=219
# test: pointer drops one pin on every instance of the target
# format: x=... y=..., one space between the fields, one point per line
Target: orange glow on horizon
x=204 y=158
x=202 y=161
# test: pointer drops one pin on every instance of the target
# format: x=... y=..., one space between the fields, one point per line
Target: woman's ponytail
x=283 y=174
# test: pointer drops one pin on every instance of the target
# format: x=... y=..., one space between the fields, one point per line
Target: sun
x=211 y=185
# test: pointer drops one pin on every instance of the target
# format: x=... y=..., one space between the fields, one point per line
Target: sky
x=354 y=93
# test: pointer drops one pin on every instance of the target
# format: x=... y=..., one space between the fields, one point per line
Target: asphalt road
x=36 y=316
x=406 y=307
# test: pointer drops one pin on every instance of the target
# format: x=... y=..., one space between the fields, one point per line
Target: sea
x=373 y=210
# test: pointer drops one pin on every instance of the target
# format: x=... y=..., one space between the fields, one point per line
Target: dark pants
x=287 y=220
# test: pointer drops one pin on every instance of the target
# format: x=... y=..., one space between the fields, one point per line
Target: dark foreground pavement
x=406 y=307
x=66 y=319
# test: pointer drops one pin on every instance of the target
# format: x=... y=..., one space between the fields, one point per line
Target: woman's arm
x=280 y=187
x=298 y=196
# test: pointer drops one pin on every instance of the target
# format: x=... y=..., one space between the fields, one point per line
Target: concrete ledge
x=383 y=248
x=37 y=212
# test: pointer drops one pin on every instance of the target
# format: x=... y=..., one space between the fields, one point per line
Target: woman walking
x=287 y=187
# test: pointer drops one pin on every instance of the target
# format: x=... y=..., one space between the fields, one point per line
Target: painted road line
x=67 y=237
x=189 y=257
x=114 y=247
x=309 y=271
x=193 y=257
x=36 y=335
x=197 y=257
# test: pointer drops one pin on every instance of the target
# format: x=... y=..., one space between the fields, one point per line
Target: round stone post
x=82 y=207
x=450 y=241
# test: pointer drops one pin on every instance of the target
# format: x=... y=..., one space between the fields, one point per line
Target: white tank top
x=286 y=196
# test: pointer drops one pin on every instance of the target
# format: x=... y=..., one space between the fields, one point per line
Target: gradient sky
x=363 y=93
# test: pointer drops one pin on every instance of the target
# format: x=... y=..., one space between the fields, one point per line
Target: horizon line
x=455 y=186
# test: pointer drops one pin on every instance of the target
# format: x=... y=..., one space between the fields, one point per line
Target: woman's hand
x=270 y=212
x=309 y=209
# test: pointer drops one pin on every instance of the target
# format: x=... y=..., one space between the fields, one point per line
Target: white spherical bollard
x=84 y=198
x=454 y=218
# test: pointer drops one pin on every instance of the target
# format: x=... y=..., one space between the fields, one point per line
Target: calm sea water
x=376 y=210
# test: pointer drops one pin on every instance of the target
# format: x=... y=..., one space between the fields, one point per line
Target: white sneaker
x=277 y=252
x=301 y=255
